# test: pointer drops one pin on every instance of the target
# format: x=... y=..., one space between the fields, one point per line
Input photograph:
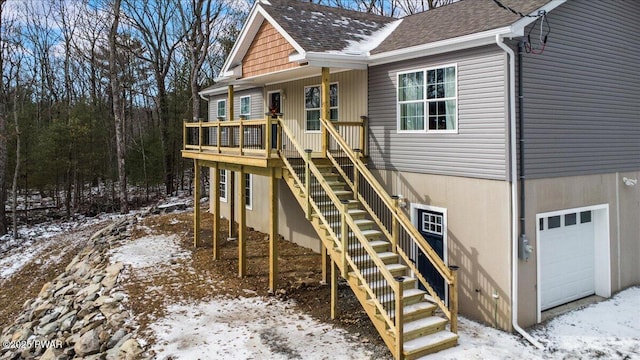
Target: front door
x=431 y=226
x=274 y=99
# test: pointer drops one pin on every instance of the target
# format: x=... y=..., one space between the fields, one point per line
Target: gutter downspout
x=514 y=193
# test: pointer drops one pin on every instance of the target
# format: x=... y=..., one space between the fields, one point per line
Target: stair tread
x=423 y=323
x=358 y=222
x=373 y=244
x=381 y=255
x=389 y=267
x=405 y=294
x=428 y=341
x=417 y=307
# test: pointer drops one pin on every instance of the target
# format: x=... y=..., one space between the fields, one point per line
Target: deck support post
x=231 y=189
x=334 y=290
x=325 y=108
x=215 y=209
x=242 y=228
x=326 y=262
x=273 y=231
x=196 y=203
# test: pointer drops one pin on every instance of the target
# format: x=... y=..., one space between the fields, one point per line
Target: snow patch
x=245 y=328
x=370 y=42
x=149 y=251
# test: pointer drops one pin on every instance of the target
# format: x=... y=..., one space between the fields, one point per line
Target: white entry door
x=567 y=258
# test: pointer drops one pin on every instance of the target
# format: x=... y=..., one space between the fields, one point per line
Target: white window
x=223 y=185
x=221 y=106
x=312 y=105
x=427 y=100
x=248 y=185
x=245 y=106
x=431 y=223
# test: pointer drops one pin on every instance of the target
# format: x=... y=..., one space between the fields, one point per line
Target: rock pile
x=80 y=314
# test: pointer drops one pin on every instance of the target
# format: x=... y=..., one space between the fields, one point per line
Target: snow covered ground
x=268 y=328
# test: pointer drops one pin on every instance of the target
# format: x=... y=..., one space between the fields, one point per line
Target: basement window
x=223 y=185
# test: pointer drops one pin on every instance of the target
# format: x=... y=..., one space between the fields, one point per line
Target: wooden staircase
x=368 y=255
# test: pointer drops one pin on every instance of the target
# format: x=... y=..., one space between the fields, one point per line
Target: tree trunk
x=16 y=171
x=3 y=138
x=118 y=108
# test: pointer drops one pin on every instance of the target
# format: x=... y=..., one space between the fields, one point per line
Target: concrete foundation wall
x=478 y=236
x=293 y=225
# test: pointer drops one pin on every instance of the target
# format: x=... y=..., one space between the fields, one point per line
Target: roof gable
x=268 y=52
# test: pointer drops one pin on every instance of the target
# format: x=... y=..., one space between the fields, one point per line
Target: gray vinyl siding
x=479 y=149
x=582 y=95
x=257 y=104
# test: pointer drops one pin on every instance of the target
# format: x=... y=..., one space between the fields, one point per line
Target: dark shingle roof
x=460 y=18
x=321 y=28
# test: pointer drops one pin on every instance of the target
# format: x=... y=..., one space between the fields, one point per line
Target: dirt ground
x=199 y=278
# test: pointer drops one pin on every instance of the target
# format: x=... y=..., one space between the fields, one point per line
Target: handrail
x=400 y=219
x=380 y=265
x=404 y=221
x=251 y=136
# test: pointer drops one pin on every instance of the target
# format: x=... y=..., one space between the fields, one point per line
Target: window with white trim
x=312 y=105
x=428 y=100
x=221 y=107
x=223 y=185
x=245 y=106
x=248 y=186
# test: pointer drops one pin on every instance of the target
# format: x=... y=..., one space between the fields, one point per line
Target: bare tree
x=118 y=106
x=161 y=36
x=3 y=126
x=198 y=18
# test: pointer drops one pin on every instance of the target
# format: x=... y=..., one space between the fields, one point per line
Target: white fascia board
x=345 y=61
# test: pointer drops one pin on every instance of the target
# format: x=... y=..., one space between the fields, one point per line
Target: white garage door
x=567 y=258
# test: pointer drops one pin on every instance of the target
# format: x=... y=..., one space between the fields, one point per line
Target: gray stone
x=116 y=338
x=119 y=296
x=51 y=354
x=22 y=334
x=48 y=329
x=109 y=282
x=67 y=323
x=49 y=318
x=37 y=312
x=89 y=290
x=81 y=269
x=104 y=299
x=109 y=309
x=87 y=344
x=69 y=289
x=114 y=269
x=131 y=349
x=97 y=278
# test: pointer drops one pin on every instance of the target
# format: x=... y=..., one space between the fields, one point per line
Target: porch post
x=216 y=211
x=273 y=231
x=242 y=231
x=325 y=105
x=196 y=203
x=230 y=103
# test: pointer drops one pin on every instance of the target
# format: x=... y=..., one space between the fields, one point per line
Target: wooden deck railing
x=238 y=137
x=262 y=137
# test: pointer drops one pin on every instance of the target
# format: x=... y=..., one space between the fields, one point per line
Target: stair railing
x=355 y=250
x=393 y=222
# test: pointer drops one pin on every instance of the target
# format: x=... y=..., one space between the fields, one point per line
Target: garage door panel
x=567 y=263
